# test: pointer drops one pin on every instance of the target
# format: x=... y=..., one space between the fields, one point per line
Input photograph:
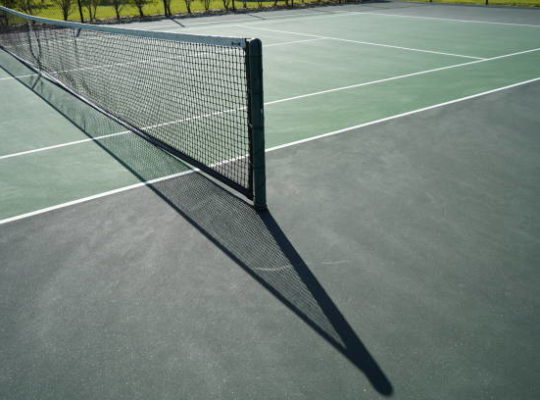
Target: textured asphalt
x=396 y=260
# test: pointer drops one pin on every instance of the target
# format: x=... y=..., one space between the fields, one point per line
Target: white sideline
x=93 y=197
x=336 y=132
x=405 y=114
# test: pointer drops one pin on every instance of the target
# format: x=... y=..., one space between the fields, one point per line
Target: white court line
x=315 y=14
x=7 y=78
x=366 y=43
x=142 y=62
x=97 y=138
x=336 y=132
x=174 y=28
x=292 y=42
x=269 y=103
x=57 y=146
x=357 y=85
x=405 y=114
x=335 y=12
x=467 y=21
x=94 y=197
x=315 y=37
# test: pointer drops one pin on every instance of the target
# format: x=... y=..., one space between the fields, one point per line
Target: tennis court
x=398 y=256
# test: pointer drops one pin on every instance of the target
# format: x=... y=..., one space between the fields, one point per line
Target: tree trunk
x=166 y=8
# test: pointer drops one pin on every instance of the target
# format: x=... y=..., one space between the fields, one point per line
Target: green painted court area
x=323 y=73
x=398 y=258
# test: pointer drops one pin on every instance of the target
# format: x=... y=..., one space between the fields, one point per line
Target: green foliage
x=188 y=5
x=140 y=6
x=167 y=8
x=96 y=10
x=117 y=5
x=29 y=6
x=91 y=7
x=9 y=3
x=64 y=6
x=206 y=4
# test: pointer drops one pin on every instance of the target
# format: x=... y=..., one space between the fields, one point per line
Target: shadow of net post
x=253 y=240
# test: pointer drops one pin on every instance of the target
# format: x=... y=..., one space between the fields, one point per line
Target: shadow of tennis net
x=253 y=240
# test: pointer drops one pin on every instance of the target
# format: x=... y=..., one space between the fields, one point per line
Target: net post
x=256 y=121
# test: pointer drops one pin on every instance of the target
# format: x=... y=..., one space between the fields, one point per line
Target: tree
x=140 y=6
x=226 y=4
x=65 y=6
x=91 y=6
x=9 y=3
x=206 y=4
x=188 y=5
x=167 y=8
x=4 y=19
x=118 y=5
x=27 y=6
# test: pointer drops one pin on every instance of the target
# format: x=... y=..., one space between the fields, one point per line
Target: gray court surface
x=398 y=259
x=424 y=233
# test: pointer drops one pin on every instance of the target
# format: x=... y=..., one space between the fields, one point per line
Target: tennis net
x=197 y=97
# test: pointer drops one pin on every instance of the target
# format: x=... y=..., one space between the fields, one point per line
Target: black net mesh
x=188 y=97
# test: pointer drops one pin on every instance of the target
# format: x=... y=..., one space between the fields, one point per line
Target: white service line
x=56 y=146
x=97 y=138
x=365 y=43
x=292 y=42
x=336 y=132
x=63 y=71
x=143 y=62
x=269 y=103
x=7 y=78
x=428 y=71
